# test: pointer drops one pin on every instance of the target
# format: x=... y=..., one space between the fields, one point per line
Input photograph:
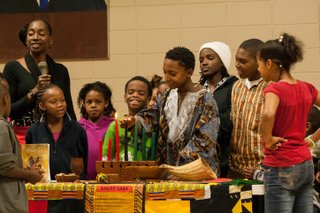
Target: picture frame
x=80 y=28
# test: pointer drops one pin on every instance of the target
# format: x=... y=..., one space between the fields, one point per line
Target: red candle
x=100 y=150
x=117 y=142
x=110 y=150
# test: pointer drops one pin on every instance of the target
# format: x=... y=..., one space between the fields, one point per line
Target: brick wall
x=141 y=31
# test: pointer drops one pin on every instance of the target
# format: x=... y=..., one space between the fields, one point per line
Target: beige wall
x=141 y=31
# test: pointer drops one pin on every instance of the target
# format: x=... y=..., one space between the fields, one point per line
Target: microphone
x=43 y=66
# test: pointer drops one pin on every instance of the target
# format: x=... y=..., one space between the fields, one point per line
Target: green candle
x=153 y=146
x=135 y=141
x=143 y=144
x=126 y=142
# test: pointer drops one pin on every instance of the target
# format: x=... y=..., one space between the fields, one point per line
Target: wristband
x=310 y=139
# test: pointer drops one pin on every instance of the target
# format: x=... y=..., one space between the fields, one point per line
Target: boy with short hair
x=247 y=101
x=12 y=175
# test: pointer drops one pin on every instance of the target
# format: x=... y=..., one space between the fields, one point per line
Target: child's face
x=136 y=96
x=94 y=105
x=267 y=70
x=247 y=65
x=53 y=103
x=175 y=75
x=210 y=63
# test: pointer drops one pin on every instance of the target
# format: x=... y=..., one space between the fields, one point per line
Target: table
x=155 y=197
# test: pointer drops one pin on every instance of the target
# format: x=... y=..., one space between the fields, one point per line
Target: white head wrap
x=222 y=50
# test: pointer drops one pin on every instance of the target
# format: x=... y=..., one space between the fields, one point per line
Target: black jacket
x=222 y=95
x=72 y=142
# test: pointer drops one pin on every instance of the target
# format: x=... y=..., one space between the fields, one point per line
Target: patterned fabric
x=199 y=137
x=225 y=199
x=208 y=88
x=222 y=95
x=149 y=119
x=55 y=191
x=177 y=190
x=222 y=198
x=118 y=198
x=246 y=115
x=179 y=120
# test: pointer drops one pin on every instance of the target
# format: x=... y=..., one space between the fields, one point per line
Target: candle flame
x=115 y=115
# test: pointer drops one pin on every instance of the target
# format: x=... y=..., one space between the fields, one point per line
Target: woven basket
x=196 y=170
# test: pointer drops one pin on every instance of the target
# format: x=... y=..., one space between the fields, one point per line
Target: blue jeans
x=289 y=189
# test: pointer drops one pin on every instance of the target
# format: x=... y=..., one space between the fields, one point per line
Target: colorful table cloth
x=55 y=191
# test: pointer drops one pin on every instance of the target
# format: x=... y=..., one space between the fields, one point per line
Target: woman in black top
x=25 y=77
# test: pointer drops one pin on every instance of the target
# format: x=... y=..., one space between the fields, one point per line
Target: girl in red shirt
x=289 y=168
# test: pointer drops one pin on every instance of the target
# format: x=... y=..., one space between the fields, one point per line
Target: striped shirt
x=246 y=114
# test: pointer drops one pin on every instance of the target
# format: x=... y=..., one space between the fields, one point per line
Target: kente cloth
x=177 y=190
x=224 y=198
x=115 y=198
x=55 y=191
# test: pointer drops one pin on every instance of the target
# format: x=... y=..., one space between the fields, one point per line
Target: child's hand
x=318 y=176
x=128 y=120
x=249 y=171
x=34 y=176
x=275 y=143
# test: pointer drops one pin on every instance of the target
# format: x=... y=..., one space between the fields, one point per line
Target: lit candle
x=100 y=150
x=153 y=146
x=135 y=141
x=117 y=139
x=143 y=144
x=110 y=149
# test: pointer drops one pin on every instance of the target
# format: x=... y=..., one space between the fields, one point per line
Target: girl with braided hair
x=97 y=113
x=66 y=137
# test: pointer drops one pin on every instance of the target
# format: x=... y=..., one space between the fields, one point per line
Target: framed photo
x=80 y=27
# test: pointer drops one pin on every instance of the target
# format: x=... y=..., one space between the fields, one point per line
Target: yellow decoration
x=167 y=206
x=102 y=178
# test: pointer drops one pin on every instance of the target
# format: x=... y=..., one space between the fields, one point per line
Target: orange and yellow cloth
x=222 y=199
x=115 y=198
x=166 y=197
x=55 y=191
